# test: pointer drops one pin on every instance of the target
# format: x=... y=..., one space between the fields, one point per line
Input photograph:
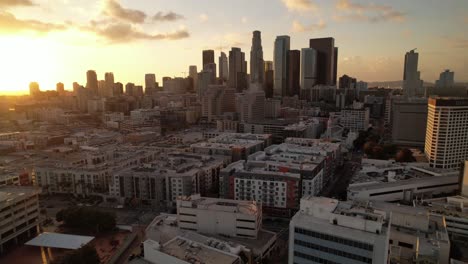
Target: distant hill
x=399 y=84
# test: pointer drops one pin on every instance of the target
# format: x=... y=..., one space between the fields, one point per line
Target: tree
x=85 y=255
x=369 y=147
x=378 y=152
x=87 y=219
x=404 y=155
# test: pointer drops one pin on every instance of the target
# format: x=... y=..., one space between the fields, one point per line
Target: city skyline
x=117 y=36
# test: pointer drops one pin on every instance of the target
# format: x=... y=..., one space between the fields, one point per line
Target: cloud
x=10 y=3
x=300 y=5
x=113 y=9
x=169 y=16
x=120 y=32
x=298 y=27
x=9 y=24
x=203 y=17
x=350 y=11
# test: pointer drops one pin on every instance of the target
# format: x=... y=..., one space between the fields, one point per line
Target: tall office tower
x=150 y=83
x=446 y=133
x=326 y=61
x=329 y=231
x=256 y=59
x=60 y=88
x=280 y=61
x=223 y=67
x=308 y=68
x=268 y=84
x=412 y=84
x=109 y=87
x=92 y=82
x=237 y=70
x=118 y=89
x=204 y=80
x=76 y=86
x=446 y=79
x=129 y=89
x=335 y=66
x=208 y=57
x=102 y=88
x=211 y=67
x=294 y=72
x=138 y=91
x=251 y=104
x=193 y=74
x=34 y=88
x=212 y=102
x=347 y=82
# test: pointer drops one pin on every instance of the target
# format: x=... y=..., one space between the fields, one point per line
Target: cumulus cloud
x=349 y=11
x=299 y=27
x=300 y=5
x=113 y=9
x=119 y=32
x=9 y=24
x=169 y=16
x=10 y=3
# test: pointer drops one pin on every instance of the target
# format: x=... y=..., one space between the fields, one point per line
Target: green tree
x=85 y=255
x=87 y=219
x=369 y=147
x=404 y=155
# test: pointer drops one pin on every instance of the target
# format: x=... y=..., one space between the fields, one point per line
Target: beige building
x=19 y=214
x=214 y=216
x=446 y=134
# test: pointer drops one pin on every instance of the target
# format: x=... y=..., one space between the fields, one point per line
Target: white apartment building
x=355 y=119
x=446 y=134
x=213 y=216
x=328 y=231
x=19 y=214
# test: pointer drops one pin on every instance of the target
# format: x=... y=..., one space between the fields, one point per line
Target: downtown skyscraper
x=412 y=84
x=280 y=61
x=223 y=67
x=237 y=70
x=92 y=82
x=327 y=60
x=256 y=59
x=208 y=57
x=308 y=68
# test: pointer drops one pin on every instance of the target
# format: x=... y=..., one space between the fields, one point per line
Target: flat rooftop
x=56 y=240
x=12 y=192
x=216 y=204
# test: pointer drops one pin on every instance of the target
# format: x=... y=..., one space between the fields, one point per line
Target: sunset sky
x=52 y=41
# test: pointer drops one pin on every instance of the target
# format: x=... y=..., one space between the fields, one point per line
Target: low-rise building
x=389 y=181
x=328 y=231
x=215 y=216
x=19 y=214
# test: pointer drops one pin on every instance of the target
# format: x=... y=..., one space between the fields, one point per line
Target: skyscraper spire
x=256 y=59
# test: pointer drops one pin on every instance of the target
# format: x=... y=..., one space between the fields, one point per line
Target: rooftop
x=9 y=193
x=216 y=204
x=56 y=240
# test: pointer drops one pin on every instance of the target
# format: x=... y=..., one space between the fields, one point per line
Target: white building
x=328 y=231
x=213 y=216
x=355 y=119
x=19 y=214
x=446 y=133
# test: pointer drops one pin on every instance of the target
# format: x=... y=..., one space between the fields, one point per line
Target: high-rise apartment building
x=294 y=72
x=446 y=79
x=109 y=84
x=237 y=70
x=193 y=74
x=251 y=104
x=412 y=84
x=150 y=83
x=208 y=57
x=328 y=231
x=256 y=59
x=308 y=68
x=223 y=67
x=129 y=87
x=60 y=88
x=446 y=133
x=327 y=57
x=92 y=82
x=280 y=61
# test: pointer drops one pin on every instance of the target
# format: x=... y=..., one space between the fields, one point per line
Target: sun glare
x=23 y=60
